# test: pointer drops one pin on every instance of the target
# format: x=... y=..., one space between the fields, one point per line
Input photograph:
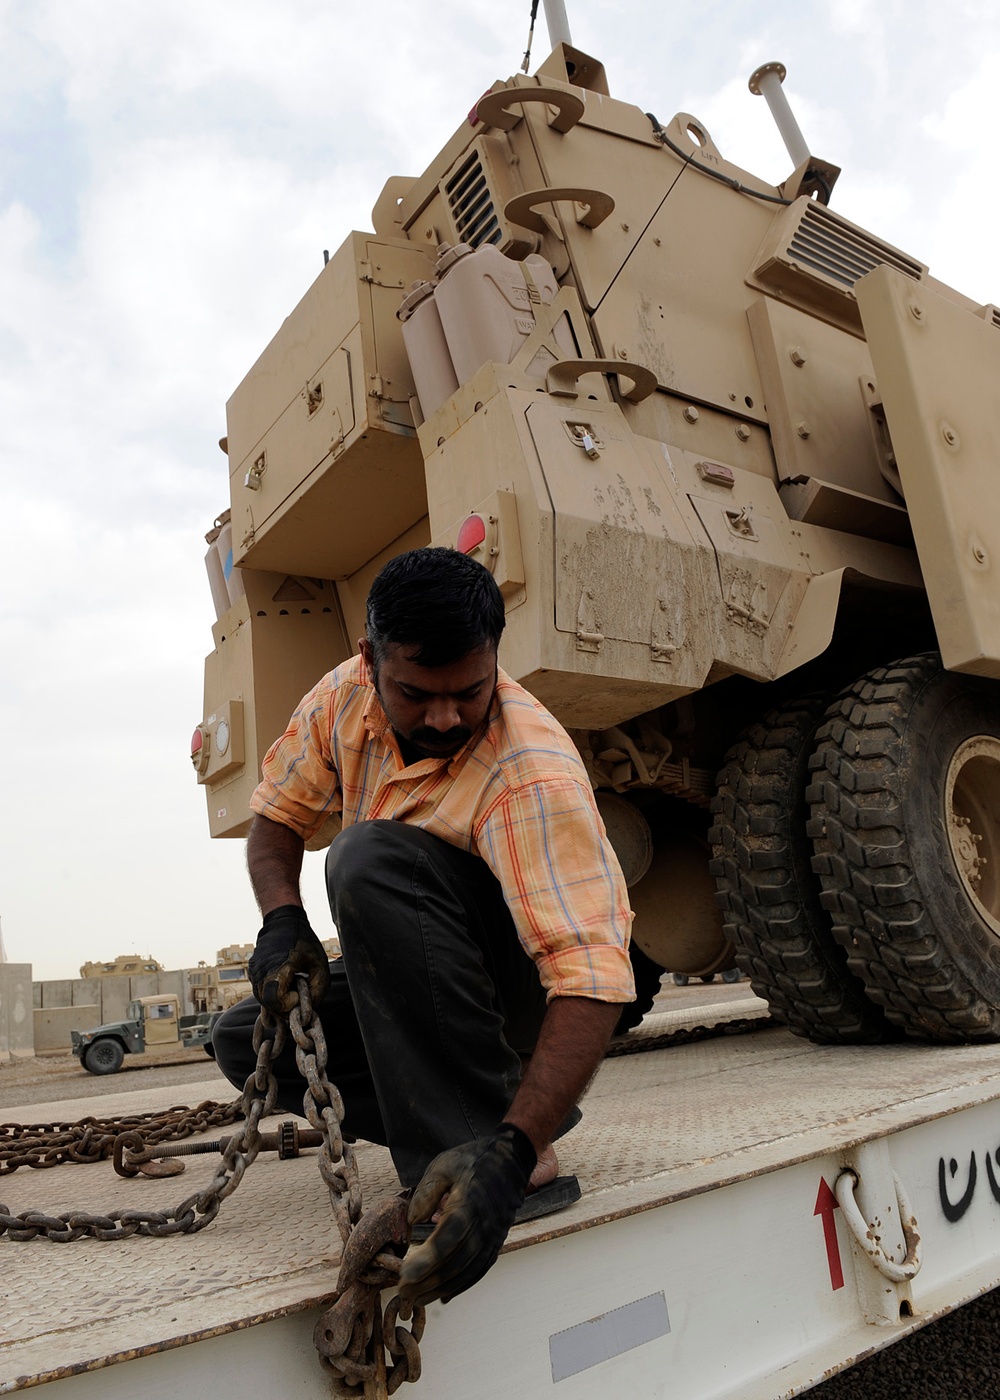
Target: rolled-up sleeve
x=300 y=786
x=546 y=845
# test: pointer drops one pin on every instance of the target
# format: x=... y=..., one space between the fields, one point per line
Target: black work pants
x=429 y=1006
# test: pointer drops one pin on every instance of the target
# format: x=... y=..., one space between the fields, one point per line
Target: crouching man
x=481 y=912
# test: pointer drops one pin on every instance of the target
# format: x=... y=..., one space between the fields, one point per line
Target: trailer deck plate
x=657 y=1127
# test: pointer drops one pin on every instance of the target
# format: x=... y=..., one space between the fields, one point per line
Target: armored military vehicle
x=152 y=1021
x=124 y=965
x=731 y=459
x=214 y=987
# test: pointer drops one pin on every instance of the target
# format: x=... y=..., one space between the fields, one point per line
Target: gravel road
x=954 y=1358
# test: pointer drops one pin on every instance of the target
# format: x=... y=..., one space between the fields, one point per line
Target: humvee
x=151 y=1021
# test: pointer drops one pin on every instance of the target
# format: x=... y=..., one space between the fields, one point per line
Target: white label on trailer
x=599 y=1338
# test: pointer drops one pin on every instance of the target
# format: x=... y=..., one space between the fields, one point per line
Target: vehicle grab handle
x=561 y=379
x=521 y=209
x=494 y=108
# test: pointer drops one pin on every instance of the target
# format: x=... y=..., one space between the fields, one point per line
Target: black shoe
x=557 y=1194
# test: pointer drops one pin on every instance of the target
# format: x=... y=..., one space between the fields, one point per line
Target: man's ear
x=364 y=646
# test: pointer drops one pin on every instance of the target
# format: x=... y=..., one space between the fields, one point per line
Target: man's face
x=436 y=709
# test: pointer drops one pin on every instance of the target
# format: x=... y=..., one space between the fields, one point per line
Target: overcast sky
x=169 y=177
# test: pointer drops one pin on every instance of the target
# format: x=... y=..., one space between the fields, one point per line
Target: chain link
x=93 y=1139
x=196 y=1211
x=352 y=1336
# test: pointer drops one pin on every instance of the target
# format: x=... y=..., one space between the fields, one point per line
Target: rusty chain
x=198 y=1209
x=92 y=1139
x=352 y=1336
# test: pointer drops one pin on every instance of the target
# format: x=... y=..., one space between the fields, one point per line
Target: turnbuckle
x=132 y=1155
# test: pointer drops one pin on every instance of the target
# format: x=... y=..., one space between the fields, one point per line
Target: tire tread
x=861 y=856
x=768 y=893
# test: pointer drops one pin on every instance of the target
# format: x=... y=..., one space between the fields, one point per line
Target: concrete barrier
x=17 y=1033
x=115 y=997
x=57 y=993
x=176 y=983
x=54 y=1023
x=111 y=995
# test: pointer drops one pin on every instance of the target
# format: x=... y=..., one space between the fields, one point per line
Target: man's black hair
x=441 y=601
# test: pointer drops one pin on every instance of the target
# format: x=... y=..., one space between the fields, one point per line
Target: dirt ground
x=51 y=1077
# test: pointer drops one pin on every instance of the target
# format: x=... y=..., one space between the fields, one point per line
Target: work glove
x=485 y=1181
x=286 y=945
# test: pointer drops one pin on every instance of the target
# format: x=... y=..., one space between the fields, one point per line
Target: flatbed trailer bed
x=705 y=1258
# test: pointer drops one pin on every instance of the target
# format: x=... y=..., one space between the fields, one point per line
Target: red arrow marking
x=826 y=1204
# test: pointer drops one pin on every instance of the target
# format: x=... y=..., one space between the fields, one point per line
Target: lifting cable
x=660 y=133
x=531 y=35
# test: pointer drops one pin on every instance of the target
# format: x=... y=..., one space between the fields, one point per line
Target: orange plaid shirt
x=518 y=796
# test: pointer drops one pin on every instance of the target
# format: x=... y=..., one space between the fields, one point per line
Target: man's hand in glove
x=286 y=945
x=485 y=1181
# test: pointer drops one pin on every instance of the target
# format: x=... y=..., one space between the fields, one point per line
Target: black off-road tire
x=768 y=894
x=104 y=1056
x=647 y=975
x=900 y=906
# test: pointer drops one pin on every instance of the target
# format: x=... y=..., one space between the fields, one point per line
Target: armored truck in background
x=216 y=987
x=124 y=965
x=219 y=986
x=732 y=461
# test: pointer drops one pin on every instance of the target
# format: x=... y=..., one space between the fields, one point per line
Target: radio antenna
x=555 y=17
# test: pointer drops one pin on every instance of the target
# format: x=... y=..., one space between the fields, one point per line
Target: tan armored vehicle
x=215 y=988
x=125 y=964
x=732 y=461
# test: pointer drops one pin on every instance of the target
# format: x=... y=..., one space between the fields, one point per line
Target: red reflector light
x=196 y=742
x=472 y=533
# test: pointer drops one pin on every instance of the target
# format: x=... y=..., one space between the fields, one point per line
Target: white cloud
x=959 y=129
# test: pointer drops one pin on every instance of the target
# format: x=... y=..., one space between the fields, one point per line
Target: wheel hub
x=972 y=812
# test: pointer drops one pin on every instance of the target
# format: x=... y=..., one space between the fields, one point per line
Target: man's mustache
x=436 y=739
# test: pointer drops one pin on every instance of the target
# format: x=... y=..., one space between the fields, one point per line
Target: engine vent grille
x=812 y=258
x=471 y=203
x=841 y=251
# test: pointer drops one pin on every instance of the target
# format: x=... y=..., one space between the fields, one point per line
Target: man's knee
x=366 y=880
x=352 y=853
x=380 y=873
x=369 y=866
x=355 y=865
x=366 y=847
